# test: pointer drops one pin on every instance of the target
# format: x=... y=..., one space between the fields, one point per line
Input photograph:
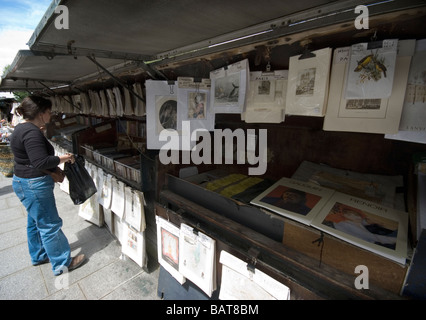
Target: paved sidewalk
x=105 y=275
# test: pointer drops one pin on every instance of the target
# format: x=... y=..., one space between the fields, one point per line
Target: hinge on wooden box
x=254 y=254
x=320 y=241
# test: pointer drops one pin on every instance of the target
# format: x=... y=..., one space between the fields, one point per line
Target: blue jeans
x=45 y=237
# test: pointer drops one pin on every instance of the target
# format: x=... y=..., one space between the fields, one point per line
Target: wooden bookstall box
x=99 y=144
x=341 y=256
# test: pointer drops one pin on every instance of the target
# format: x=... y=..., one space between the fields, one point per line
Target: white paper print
x=135 y=213
x=307 y=88
x=371 y=70
x=134 y=245
x=266 y=97
x=168 y=248
x=412 y=126
x=197 y=259
x=239 y=283
x=118 y=198
x=228 y=87
x=161 y=112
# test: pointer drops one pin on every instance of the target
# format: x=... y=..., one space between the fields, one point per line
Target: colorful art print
x=371 y=70
x=382 y=120
x=371 y=67
x=294 y=199
x=170 y=248
x=197 y=104
x=366 y=224
x=363 y=225
x=290 y=199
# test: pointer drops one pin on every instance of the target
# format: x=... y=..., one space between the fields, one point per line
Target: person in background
x=34 y=154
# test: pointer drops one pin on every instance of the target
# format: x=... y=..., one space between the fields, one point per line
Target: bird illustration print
x=371 y=67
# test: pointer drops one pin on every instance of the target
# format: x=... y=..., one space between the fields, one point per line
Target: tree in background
x=19 y=95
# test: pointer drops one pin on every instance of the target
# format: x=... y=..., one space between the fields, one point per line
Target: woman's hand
x=68 y=157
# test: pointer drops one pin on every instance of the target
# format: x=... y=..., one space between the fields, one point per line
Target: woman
x=33 y=155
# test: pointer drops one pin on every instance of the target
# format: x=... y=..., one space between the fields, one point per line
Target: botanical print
x=371 y=70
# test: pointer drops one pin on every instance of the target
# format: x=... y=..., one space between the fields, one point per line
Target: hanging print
x=371 y=70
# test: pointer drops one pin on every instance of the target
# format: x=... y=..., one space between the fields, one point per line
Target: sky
x=18 y=20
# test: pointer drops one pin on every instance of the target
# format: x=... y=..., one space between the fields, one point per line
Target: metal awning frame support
x=116 y=79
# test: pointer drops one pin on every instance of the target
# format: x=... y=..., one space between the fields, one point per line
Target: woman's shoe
x=41 y=262
x=76 y=262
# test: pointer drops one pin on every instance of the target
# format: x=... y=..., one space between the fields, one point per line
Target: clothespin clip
x=307 y=54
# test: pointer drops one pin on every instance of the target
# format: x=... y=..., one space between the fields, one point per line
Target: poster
x=366 y=224
x=294 y=199
x=168 y=248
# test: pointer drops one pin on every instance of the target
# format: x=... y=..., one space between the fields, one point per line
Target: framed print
x=294 y=199
x=266 y=97
x=366 y=116
x=168 y=247
x=366 y=224
x=229 y=87
x=307 y=88
x=161 y=112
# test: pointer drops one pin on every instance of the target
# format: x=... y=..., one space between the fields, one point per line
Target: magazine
x=366 y=224
x=294 y=199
